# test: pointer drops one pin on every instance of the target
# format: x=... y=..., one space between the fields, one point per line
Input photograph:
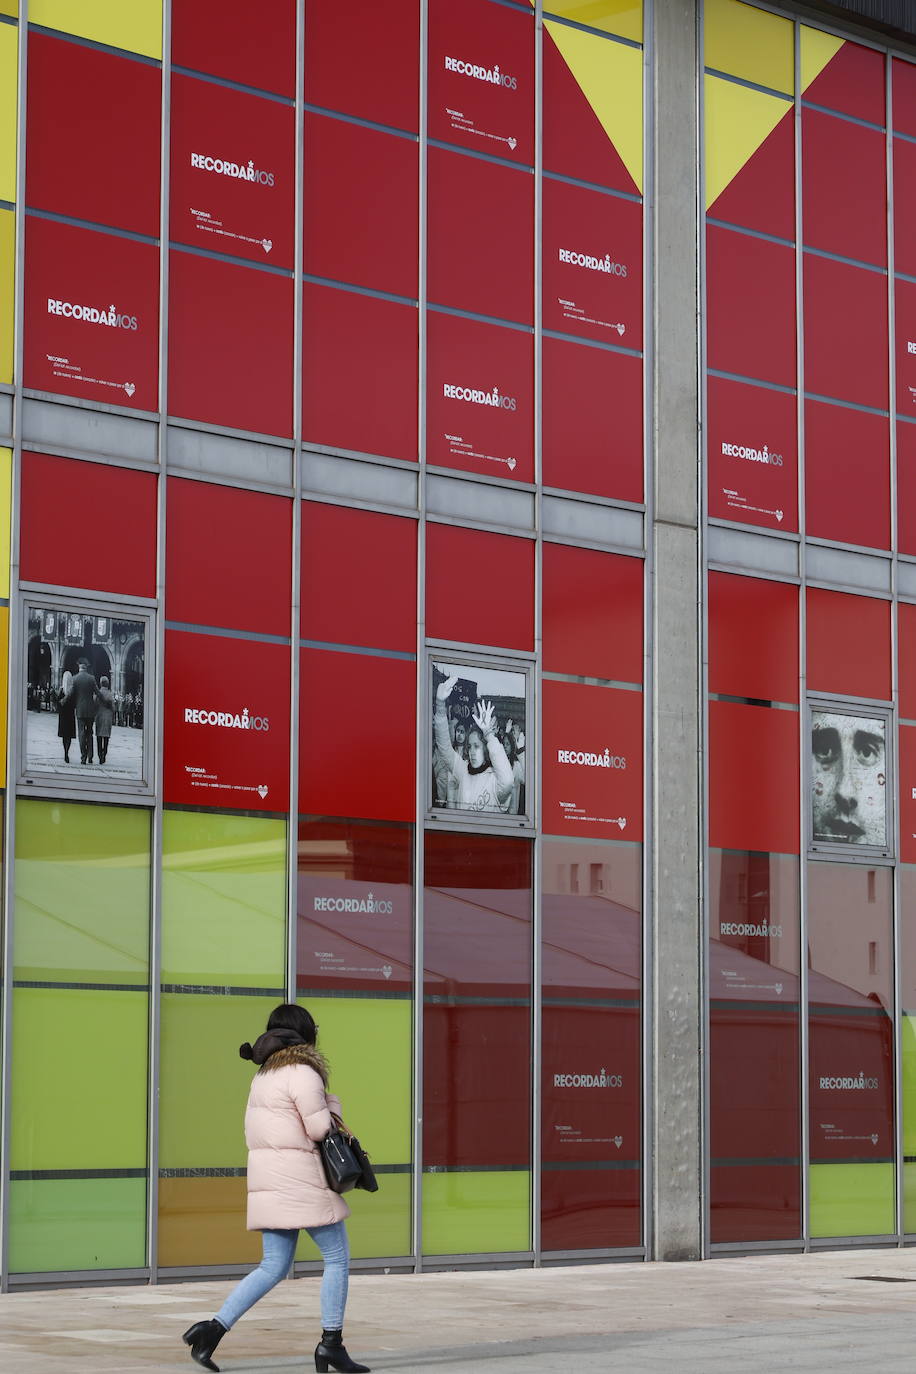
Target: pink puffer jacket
x=288 y=1112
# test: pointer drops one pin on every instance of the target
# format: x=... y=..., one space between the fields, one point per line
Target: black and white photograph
x=84 y=695
x=479 y=740
x=849 y=772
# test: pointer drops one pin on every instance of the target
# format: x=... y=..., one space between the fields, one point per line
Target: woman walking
x=289 y=1111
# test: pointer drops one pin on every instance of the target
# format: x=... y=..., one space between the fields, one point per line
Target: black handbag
x=346 y=1164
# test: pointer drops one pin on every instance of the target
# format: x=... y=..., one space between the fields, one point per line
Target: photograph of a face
x=85 y=679
x=848 y=778
x=479 y=744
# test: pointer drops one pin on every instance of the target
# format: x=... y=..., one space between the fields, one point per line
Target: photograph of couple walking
x=84 y=695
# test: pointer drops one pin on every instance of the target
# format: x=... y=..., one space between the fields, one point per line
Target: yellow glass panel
x=9 y=76
x=202 y=1221
x=378 y=1225
x=9 y=7
x=738 y=121
x=4 y=642
x=7 y=294
x=476 y=1213
x=134 y=25
x=817 y=49
x=6 y=465
x=620 y=17
x=610 y=77
x=749 y=43
x=852 y=1199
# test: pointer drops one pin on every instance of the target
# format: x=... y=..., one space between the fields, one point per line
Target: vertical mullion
x=537 y=847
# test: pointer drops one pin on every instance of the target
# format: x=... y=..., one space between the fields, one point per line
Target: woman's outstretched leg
x=278 y=1250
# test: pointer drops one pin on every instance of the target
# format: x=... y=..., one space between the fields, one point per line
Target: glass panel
x=591 y=1132
x=851 y=1049
x=355 y=953
x=477 y=1109
x=755 y=1070
x=9 y=106
x=137 y=27
x=7 y=286
x=70 y=1224
x=907 y=917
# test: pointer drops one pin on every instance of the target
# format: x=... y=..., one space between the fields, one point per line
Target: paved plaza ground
x=824 y=1312
x=45 y=751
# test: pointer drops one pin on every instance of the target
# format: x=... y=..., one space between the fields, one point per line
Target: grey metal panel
x=6 y=416
x=595 y=524
x=906 y=578
x=848 y=568
x=97 y=433
x=757 y=552
x=325 y=474
x=220 y=455
x=465 y=499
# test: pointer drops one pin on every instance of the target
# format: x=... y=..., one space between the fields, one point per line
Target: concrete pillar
x=675 y=916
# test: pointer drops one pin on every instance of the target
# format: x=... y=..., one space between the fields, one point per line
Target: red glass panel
x=477 y=953
x=755 y=1108
x=754 y=946
x=592 y=923
x=904 y=97
x=904 y=206
x=364 y=58
x=751 y=306
x=592 y=622
x=54 y=547
x=845 y=332
x=355 y=907
x=227 y=38
x=754 y=1201
x=366 y=762
x=905 y=325
x=593 y=750
x=592 y=420
x=754 y=778
x=337 y=607
x=359 y=383
x=839 y=505
x=481 y=78
x=590 y=1121
x=75 y=278
x=588 y=1209
x=347 y=168
x=481 y=236
x=232 y=182
x=221 y=588
x=844 y=187
x=593 y=282
x=762 y=194
x=230 y=345
x=906 y=652
x=753 y=638
x=463 y=568
x=80 y=161
x=907 y=791
x=213 y=686
x=853 y=82
x=849 y=647
x=906 y=487
x=575 y=141
x=479 y=398
x=753 y=455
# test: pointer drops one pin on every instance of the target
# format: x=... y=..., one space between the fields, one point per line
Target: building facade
x=461 y=574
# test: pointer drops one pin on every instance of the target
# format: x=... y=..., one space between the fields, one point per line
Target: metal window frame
x=834 y=852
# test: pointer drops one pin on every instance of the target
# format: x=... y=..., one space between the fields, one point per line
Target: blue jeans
x=279 y=1248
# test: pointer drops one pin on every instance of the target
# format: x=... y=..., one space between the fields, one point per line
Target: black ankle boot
x=330 y=1352
x=203 y=1338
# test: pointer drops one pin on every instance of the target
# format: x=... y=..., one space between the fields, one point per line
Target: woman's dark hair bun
x=245 y=1051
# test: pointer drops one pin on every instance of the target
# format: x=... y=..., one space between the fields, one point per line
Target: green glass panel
x=95 y=1043
x=223 y=900
x=82 y=893
x=367 y=1042
x=203 y=1084
x=476 y=1213
x=77 y=1223
x=378 y=1225
x=852 y=1199
x=909 y=1197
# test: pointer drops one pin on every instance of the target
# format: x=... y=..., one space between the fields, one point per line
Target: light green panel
x=95 y=1046
x=378 y=1225
x=85 y=1223
x=852 y=1199
x=476 y=1213
x=908 y=1067
x=223 y=900
x=373 y=1084
x=82 y=893
x=909 y=1197
x=203 y=1084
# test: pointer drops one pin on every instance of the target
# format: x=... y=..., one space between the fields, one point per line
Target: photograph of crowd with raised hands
x=479 y=741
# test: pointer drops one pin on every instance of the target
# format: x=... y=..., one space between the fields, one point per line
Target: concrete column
x=676 y=925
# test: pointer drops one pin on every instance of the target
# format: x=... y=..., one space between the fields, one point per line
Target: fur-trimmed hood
x=297 y=1054
x=277 y=1048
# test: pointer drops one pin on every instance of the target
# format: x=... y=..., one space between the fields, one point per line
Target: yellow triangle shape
x=738 y=121
x=609 y=75
x=817 y=49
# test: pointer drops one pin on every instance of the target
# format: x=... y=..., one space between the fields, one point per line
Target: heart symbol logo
x=267 y=244
x=779 y=989
x=129 y=388
x=618 y=1141
x=262 y=791
x=511 y=464
x=386 y=970
x=621 y=329
x=513 y=142
x=622 y=822
x=874 y=1140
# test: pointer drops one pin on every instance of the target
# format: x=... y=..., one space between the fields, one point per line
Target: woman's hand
x=485 y=718
x=445 y=689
